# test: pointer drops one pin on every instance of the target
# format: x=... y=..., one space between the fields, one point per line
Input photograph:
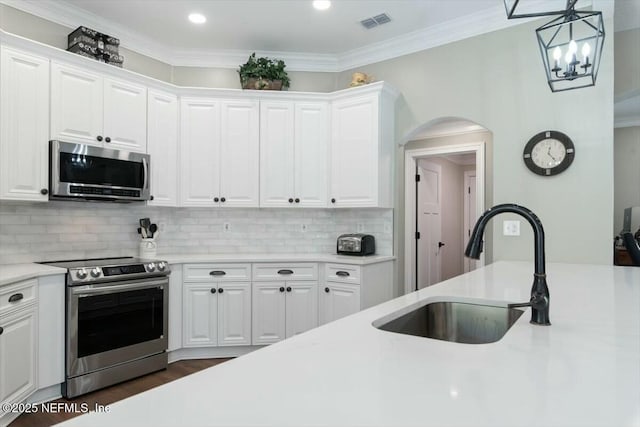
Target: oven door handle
x=88 y=291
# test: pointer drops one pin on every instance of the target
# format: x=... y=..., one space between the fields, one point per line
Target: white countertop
x=582 y=370
x=342 y=259
x=10 y=273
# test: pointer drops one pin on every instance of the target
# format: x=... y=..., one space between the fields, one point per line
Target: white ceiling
x=307 y=39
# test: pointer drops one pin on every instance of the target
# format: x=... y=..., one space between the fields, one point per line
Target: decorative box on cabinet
x=24 y=126
x=293 y=154
x=284 y=301
x=89 y=108
x=216 y=306
x=362 y=147
x=348 y=289
x=219 y=152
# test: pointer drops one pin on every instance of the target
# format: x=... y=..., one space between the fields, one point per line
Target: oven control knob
x=95 y=272
x=162 y=265
x=81 y=274
x=151 y=266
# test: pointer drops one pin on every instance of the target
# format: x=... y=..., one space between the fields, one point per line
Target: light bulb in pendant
x=557 y=53
x=568 y=57
x=586 y=50
x=573 y=46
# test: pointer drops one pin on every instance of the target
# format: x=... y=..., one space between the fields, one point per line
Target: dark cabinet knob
x=297 y=200
x=216 y=199
x=288 y=288
x=333 y=200
x=220 y=290
x=326 y=290
x=290 y=200
x=99 y=137
x=16 y=297
x=150 y=197
x=107 y=139
x=223 y=199
x=44 y=191
x=1 y=330
x=213 y=290
x=281 y=289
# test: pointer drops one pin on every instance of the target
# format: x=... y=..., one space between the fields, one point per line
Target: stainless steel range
x=116 y=325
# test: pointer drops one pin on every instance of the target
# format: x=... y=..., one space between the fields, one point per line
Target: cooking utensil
x=153 y=228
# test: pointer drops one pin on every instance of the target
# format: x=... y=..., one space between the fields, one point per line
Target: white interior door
x=470 y=215
x=429 y=223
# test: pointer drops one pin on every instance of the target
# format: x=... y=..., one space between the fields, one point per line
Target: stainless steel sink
x=456 y=322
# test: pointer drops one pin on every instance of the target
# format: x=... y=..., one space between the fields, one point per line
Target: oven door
x=112 y=323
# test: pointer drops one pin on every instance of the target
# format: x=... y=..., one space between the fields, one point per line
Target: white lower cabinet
x=216 y=311
x=338 y=300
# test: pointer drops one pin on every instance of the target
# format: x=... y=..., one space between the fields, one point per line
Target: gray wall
x=627 y=173
x=627 y=72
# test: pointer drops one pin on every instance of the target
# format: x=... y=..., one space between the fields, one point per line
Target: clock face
x=549 y=153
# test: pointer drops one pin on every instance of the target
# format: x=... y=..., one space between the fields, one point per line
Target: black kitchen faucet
x=539 y=302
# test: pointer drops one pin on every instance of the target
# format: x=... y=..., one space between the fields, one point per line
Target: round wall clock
x=549 y=153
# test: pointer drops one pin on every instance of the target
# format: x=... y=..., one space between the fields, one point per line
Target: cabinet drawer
x=343 y=273
x=217 y=272
x=300 y=271
x=17 y=295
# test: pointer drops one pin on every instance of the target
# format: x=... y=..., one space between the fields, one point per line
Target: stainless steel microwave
x=86 y=172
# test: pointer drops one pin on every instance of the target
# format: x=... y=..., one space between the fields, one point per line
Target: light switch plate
x=360 y=227
x=511 y=228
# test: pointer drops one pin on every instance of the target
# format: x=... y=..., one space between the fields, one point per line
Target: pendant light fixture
x=531 y=9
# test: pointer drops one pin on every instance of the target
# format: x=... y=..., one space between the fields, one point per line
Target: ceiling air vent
x=369 y=23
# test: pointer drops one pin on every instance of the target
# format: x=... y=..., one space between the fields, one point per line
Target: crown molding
x=61 y=12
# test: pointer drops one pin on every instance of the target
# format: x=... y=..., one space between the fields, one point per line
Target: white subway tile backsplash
x=65 y=230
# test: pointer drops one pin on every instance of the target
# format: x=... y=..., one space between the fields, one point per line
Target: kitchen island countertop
x=583 y=370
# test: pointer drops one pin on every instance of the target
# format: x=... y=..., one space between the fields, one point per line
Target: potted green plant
x=263 y=74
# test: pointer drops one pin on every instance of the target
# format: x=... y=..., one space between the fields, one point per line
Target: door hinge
x=417 y=178
x=468 y=190
x=469 y=233
x=417 y=234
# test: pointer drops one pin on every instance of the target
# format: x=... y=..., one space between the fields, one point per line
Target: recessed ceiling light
x=197 y=18
x=321 y=4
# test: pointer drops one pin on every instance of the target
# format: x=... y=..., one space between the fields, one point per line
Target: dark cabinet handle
x=216 y=199
x=342 y=273
x=150 y=197
x=217 y=273
x=326 y=290
x=15 y=297
x=290 y=200
x=99 y=137
x=44 y=191
x=107 y=139
x=288 y=288
x=213 y=290
x=220 y=290
x=281 y=289
x=285 y=272
x=1 y=330
x=333 y=200
x=297 y=200
x=222 y=199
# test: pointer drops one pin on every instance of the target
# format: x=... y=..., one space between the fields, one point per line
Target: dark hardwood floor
x=117 y=392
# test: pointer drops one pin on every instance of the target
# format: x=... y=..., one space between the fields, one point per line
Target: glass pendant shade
x=571 y=47
x=532 y=8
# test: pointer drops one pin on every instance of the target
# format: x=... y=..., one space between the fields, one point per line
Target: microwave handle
x=145 y=168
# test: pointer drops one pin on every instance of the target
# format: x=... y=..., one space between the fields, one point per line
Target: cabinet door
x=76 y=105
x=239 y=151
x=276 y=154
x=338 y=300
x=302 y=307
x=24 y=126
x=354 y=152
x=200 y=152
x=18 y=355
x=125 y=116
x=234 y=313
x=200 y=312
x=311 y=154
x=162 y=146
x=268 y=319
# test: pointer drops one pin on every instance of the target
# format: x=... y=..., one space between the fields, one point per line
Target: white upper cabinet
x=293 y=154
x=362 y=150
x=162 y=146
x=24 y=126
x=91 y=109
x=220 y=152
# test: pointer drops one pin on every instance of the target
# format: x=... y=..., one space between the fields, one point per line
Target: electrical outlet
x=511 y=228
x=162 y=226
x=388 y=228
x=303 y=228
x=226 y=226
x=360 y=227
